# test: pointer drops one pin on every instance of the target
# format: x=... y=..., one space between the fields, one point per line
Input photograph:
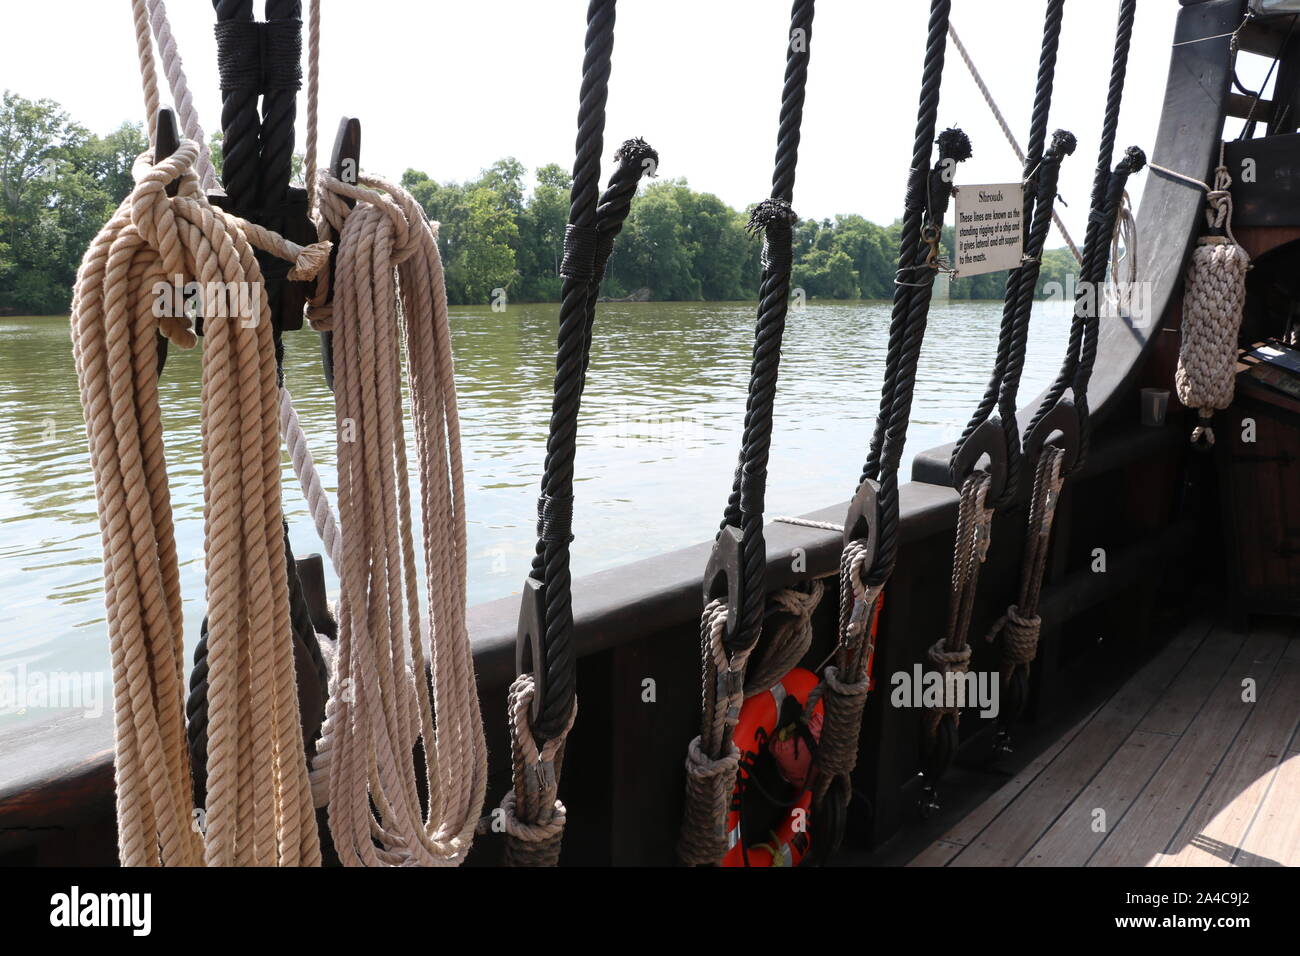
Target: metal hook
x=1058 y=427
x=987 y=439
x=724 y=577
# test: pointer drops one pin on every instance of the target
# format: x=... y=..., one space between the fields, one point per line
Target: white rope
x=380 y=708
x=809 y=523
x=1006 y=130
x=304 y=466
x=1123 y=272
x=175 y=71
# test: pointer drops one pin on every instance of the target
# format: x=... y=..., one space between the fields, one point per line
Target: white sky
x=449 y=87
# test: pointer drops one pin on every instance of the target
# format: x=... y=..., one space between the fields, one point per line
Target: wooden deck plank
x=1152 y=822
x=1274 y=837
x=1181 y=702
x=1217 y=825
x=969 y=827
x=1073 y=838
x=937 y=853
x=1020 y=824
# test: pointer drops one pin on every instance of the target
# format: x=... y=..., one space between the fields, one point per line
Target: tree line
x=677 y=243
x=59 y=183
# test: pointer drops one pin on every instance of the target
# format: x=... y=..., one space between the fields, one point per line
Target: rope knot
x=776 y=219
x=769 y=213
x=1020 y=634
x=949 y=661
x=1134 y=160
x=310 y=261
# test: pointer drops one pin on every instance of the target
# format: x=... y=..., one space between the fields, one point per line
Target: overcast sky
x=449 y=87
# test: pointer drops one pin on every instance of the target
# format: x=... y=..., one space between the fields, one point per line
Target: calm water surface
x=658 y=441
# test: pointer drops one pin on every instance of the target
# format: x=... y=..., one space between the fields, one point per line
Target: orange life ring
x=759 y=725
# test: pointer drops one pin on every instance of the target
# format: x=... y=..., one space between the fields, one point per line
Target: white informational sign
x=990 y=235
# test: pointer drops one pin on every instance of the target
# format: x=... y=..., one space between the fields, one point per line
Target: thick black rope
x=281 y=78
x=926 y=204
x=1013 y=333
x=1080 y=353
x=555 y=506
x=911 y=250
x=775 y=219
x=238 y=62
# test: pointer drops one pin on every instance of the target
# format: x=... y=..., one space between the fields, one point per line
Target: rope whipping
x=543 y=701
x=1213 y=302
x=732 y=622
x=1020 y=626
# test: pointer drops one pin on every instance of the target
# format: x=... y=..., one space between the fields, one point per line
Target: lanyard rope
x=734 y=587
x=543 y=701
x=981 y=490
x=1020 y=626
x=1041 y=171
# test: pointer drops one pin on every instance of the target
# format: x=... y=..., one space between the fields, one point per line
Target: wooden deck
x=1174 y=769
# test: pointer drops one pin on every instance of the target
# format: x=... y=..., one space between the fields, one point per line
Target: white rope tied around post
x=844 y=684
x=1213 y=300
x=786 y=640
x=389 y=286
x=1122 y=274
x=258 y=804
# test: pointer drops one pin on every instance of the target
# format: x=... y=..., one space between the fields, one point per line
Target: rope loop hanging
x=735 y=593
x=258 y=805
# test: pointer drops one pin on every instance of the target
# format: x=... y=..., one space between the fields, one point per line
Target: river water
x=658 y=440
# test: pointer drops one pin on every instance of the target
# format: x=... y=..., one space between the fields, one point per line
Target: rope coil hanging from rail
x=258 y=797
x=734 y=590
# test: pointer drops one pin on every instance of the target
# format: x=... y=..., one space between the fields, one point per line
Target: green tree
x=58 y=185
